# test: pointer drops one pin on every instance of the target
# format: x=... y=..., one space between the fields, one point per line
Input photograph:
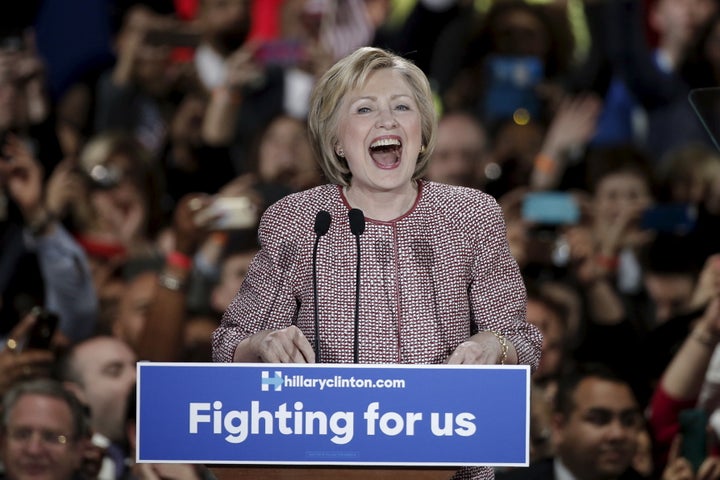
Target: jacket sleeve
x=266 y=300
x=69 y=288
x=497 y=292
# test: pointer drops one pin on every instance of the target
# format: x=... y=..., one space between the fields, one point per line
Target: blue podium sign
x=426 y=415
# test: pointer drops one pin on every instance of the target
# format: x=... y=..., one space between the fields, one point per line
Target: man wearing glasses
x=44 y=431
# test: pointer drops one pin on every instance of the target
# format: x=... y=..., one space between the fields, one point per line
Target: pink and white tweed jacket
x=427 y=279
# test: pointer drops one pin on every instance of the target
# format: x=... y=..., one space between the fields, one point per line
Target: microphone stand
x=357 y=227
x=322 y=225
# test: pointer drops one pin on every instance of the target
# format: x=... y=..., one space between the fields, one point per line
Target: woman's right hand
x=288 y=345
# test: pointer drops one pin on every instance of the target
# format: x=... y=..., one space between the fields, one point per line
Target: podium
x=329 y=473
x=268 y=421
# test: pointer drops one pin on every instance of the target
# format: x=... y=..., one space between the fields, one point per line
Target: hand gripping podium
x=289 y=421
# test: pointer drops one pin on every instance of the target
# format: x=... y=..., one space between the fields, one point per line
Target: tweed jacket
x=428 y=279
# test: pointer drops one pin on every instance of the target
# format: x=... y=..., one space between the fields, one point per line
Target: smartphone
x=12 y=43
x=283 y=53
x=550 y=208
x=694 y=431
x=547 y=248
x=706 y=103
x=677 y=218
x=172 y=38
x=512 y=82
x=42 y=331
x=229 y=213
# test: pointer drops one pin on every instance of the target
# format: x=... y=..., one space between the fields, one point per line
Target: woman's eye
x=363 y=110
x=402 y=107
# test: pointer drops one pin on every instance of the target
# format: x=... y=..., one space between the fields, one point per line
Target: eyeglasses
x=49 y=438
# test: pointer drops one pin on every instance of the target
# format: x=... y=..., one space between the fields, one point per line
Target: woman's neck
x=383 y=206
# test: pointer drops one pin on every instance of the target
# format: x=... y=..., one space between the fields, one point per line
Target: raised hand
x=23 y=176
x=18 y=364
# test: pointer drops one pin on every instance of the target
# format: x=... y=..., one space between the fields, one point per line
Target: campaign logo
x=276 y=381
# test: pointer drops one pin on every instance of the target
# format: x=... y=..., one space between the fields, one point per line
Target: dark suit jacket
x=543 y=470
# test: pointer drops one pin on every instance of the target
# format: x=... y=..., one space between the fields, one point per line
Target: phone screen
x=12 y=43
x=677 y=218
x=172 y=38
x=284 y=53
x=512 y=82
x=42 y=331
x=550 y=208
x=693 y=428
x=229 y=213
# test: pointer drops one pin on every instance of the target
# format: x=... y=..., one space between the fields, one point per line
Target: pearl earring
x=341 y=152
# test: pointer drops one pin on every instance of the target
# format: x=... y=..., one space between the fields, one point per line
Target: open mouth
x=386 y=152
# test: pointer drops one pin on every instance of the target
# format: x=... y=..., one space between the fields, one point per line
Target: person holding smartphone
x=19 y=359
x=681 y=405
x=62 y=283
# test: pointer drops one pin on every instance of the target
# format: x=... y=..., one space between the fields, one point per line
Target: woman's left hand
x=483 y=348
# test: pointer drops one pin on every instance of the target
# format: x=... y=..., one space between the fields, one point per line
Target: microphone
x=322 y=225
x=357 y=227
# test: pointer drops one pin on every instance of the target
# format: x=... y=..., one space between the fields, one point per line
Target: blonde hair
x=348 y=74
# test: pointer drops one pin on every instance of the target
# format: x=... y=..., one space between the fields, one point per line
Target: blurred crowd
x=140 y=142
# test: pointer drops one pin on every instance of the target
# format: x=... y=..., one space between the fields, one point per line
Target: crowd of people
x=134 y=178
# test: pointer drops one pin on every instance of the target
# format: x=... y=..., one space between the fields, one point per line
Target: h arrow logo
x=267 y=380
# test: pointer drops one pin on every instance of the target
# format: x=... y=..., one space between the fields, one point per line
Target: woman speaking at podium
x=379 y=265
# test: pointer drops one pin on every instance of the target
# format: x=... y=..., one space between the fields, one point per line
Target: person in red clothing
x=683 y=379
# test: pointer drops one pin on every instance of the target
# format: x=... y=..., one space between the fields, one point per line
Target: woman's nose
x=386 y=119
